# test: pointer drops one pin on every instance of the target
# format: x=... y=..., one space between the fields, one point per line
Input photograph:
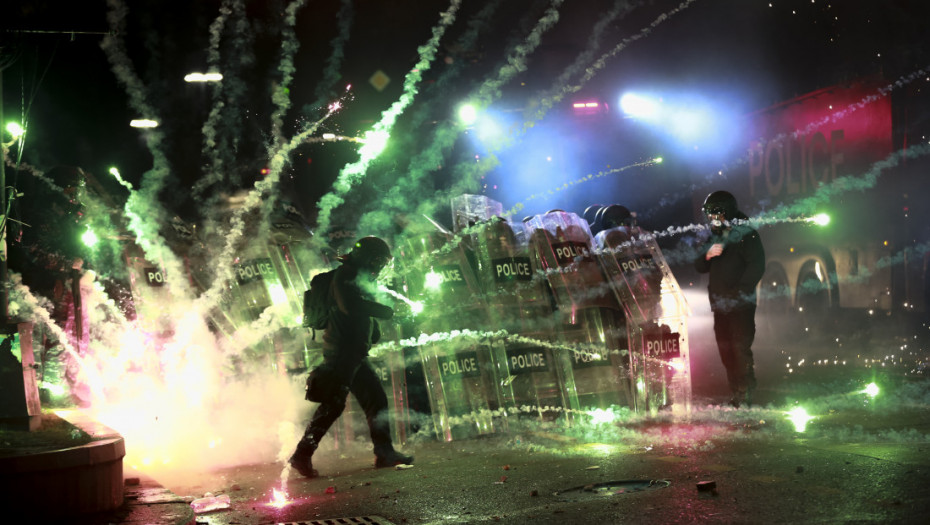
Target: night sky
x=739 y=55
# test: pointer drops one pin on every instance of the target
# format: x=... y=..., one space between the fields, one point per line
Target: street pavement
x=860 y=460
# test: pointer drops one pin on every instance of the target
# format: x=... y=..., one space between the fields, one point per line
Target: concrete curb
x=86 y=483
x=66 y=482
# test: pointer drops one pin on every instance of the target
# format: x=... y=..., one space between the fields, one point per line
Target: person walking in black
x=350 y=331
x=735 y=259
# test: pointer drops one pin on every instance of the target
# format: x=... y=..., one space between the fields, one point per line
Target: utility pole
x=4 y=286
x=20 y=408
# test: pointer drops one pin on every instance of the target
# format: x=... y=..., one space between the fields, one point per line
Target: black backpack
x=318 y=301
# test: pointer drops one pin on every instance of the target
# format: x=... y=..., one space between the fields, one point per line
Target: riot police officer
x=350 y=331
x=735 y=259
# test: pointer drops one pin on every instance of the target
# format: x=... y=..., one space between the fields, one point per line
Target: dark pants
x=367 y=389
x=735 y=331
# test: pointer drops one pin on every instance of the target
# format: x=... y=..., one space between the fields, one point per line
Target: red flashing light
x=591 y=107
x=265 y=171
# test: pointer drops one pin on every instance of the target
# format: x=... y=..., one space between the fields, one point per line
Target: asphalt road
x=860 y=460
x=759 y=478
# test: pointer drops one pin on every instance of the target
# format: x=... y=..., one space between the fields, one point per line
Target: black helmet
x=371 y=253
x=590 y=213
x=613 y=216
x=723 y=203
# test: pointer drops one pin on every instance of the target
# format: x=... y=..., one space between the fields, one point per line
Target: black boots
x=742 y=396
x=301 y=460
x=735 y=400
x=388 y=457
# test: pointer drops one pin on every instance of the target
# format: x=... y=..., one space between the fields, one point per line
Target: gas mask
x=717 y=220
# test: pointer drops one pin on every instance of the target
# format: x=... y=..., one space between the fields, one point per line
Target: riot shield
x=564 y=249
x=588 y=325
x=657 y=315
x=459 y=373
x=469 y=210
x=509 y=275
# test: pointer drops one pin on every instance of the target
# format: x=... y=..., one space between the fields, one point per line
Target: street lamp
x=143 y=123
x=203 y=77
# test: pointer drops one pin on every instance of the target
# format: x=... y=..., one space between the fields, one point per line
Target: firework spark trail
x=119 y=178
x=472 y=172
x=802 y=209
x=30 y=303
x=600 y=63
x=31 y=170
x=841 y=185
x=223 y=125
x=272 y=319
x=253 y=200
x=209 y=128
x=111 y=318
x=486 y=94
x=142 y=216
x=444 y=136
x=281 y=100
x=216 y=32
x=122 y=67
x=236 y=91
x=108 y=355
x=685 y=254
x=570 y=184
x=328 y=138
x=548 y=98
x=843 y=113
x=324 y=89
x=470 y=337
x=280 y=97
x=142 y=208
x=457 y=238
x=713 y=178
x=476 y=25
x=516 y=62
x=281 y=158
x=911 y=253
x=376 y=138
x=902 y=256
x=623 y=426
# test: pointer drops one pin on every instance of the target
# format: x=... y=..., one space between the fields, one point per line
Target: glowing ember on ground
x=599 y=415
x=278 y=499
x=799 y=417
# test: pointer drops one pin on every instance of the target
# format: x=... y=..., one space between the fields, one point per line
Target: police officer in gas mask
x=735 y=259
x=350 y=332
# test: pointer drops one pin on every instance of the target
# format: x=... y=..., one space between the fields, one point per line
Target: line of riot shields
x=537 y=320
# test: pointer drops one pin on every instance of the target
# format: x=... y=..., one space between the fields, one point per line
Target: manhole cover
x=363 y=520
x=611 y=488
